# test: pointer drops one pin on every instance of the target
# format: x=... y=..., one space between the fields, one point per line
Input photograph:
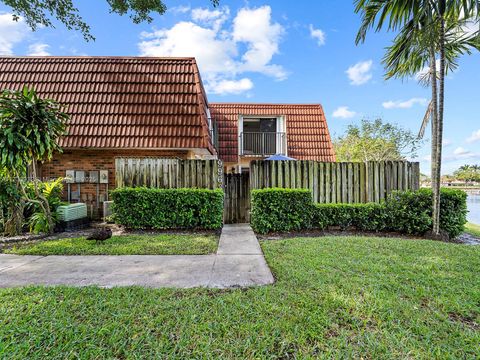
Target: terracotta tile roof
x=119 y=102
x=308 y=137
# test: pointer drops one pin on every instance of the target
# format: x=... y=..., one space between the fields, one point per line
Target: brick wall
x=89 y=160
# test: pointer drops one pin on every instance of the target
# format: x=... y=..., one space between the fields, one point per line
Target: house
x=249 y=132
x=156 y=107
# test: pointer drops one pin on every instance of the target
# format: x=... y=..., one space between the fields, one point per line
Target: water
x=473 y=203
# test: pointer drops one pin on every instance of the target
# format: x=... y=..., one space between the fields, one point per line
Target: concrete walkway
x=239 y=262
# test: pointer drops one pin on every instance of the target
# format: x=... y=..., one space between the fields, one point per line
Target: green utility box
x=72 y=212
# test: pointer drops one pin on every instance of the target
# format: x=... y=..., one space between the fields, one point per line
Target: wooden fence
x=337 y=182
x=168 y=173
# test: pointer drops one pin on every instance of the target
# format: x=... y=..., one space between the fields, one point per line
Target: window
x=262 y=136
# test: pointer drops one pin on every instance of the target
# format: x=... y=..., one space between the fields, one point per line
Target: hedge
x=409 y=212
x=280 y=210
x=147 y=208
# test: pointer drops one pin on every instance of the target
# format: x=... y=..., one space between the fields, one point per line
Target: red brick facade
x=89 y=160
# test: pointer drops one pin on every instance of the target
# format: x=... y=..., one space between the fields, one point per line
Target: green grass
x=162 y=244
x=335 y=297
x=472 y=229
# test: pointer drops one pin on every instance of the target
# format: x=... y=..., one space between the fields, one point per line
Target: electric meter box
x=70 y=176
x=103 y=176
x=93 y=176
x=80 y=176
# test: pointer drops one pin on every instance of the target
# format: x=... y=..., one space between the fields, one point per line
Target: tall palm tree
x=427 y=30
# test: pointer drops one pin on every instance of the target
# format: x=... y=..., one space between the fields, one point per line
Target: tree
x=376 y=141
x=42 y=12
x=30 y=128
x=468 y=173
x=428 y=31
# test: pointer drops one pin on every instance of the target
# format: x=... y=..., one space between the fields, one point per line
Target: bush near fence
x=407 y=212
x=150 y=208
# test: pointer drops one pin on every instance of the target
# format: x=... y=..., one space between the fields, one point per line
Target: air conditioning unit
x=72 y=212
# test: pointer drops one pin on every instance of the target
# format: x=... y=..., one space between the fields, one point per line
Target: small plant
x=38 y=221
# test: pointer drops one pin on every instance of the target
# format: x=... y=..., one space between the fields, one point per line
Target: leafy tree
x=376 y=141
x=42 y=12
x=29 y=131
x=468 y=173
x=428 y=31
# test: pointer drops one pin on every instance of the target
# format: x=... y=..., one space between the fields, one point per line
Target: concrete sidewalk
x=239 y=262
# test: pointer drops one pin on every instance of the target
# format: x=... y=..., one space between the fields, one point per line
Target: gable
x=119 y=102
x=308 y=137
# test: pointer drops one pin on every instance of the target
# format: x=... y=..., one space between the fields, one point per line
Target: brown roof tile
x=118 y=101
x=308 y=137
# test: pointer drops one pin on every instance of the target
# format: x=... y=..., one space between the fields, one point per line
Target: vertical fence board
x=337 y=182
x=168 y=173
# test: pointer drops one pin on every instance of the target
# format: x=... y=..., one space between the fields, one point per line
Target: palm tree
x=427 y=29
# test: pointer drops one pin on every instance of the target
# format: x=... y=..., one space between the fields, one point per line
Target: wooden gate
x=237 y=198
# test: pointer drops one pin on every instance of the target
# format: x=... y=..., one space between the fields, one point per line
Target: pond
x=473 y=203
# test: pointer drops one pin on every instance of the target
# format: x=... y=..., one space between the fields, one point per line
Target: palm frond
x=426 y=120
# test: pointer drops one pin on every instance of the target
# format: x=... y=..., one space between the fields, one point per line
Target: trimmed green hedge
x=365 y=217
x=410 y=212
x=147 y=208
x=280 y=210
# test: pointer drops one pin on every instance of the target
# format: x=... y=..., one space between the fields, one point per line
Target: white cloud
x=230 y=86
x=423 y=74
x=254 y=27
x=207 y=15
x=461 y=153
x=447 y=142
x=213 y=18
x=11 y=33
x=360 y=73
x=222 y=53
x=38 y=49
x=343 y=112
x=214 y=55
x=399 y=104
x=181 y=9
x=318 y=35
x=474 y=137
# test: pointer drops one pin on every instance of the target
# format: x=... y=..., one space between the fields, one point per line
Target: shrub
x=453 y=211
x=52 y=192
x=366 y=217
x=407 y=212
x=145 y=208
x=276 y=209
x=410 y=212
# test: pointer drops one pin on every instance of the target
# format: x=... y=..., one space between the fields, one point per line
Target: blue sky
x=275 y=51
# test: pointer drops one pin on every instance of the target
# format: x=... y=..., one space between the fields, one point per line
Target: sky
x=278 y=51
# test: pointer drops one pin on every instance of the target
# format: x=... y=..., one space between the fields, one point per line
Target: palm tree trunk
x=441 y=101
x=434 y=155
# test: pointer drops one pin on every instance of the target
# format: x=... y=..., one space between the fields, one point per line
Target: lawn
x=335 y=297
x=472 y=229
x=159 y=244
